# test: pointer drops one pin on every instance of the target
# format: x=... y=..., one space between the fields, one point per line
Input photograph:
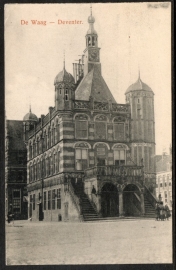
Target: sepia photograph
x=88 y=134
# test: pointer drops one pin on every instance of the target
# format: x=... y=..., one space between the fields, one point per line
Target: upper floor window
x=101 y=127
x=119 y=154
x=81 y=158
x=119 y=128
x=66 y=94
x=81 y=126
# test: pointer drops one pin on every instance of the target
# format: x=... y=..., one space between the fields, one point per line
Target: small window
x=161 y=184
x=66 y=94
x=33 y=201
x=165 y=184
x=44 y=201
x=49 y=200
x=59 y=198
x=119 y=157
x=100 y=128
x=53 y=199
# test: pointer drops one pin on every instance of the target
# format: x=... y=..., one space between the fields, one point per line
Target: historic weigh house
x=91 y=157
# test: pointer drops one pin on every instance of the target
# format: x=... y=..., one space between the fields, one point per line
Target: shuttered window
x=81 y=159
x=81 y=129
x=119 y=157
x=119 y=131
x=100 y=128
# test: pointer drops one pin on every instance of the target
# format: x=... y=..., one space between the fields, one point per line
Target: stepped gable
x=93 y=85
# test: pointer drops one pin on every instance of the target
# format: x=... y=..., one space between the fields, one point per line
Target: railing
x=112 y=170
x=75 y=199
x=120 y=107
x=81 y=104
x=150 y=197
x=137 y=201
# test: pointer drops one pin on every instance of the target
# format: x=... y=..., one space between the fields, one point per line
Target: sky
x=132 y=37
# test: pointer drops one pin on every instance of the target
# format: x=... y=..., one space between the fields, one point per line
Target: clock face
x=93 y=55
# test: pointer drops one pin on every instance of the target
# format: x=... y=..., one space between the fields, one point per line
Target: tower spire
x=139 y=75
x=30 y=107
x=91 y=9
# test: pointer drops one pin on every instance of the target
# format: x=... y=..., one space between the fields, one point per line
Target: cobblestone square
x=113 y=242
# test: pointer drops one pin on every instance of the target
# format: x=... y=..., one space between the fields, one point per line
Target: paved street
x=115 y=242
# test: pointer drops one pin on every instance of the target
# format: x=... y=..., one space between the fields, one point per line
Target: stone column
x=121 y=204
x=142 y=203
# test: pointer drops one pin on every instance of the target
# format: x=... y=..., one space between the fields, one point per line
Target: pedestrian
x=157 y=209
x=10 y=217
x=167 y=212
x=162 y=211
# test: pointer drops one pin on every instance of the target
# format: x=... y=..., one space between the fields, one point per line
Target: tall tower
x=141 y=99
x=64 y=90
x=92 y=52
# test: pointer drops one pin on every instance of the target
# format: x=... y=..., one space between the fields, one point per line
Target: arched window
x=49 y=137
x=66 y=94
x=119 y=128
x=34 y=148
x=54 y=163
x=44 y=141
x=57 y=132
x=30 y=150
x=89 y=41
x=38 y=169
x=119 y=154
x=30 y=173
x=37 y=146
x=101 y=127
x=101 y=154
x=81 y=126
x=52 y=135
x=58 y=161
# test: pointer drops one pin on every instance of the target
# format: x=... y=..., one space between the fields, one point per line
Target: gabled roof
x=93 y=85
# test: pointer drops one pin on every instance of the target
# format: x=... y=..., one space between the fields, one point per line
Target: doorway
x=109 y=201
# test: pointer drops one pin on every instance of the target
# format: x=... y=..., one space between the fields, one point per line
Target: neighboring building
x=15 y=170
x=89 y=156
x=164 y=178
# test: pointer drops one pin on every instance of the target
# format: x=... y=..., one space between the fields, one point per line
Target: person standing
x=167 y=211
x=157 y=209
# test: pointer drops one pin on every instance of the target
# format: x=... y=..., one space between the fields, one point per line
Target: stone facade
x=89 y=151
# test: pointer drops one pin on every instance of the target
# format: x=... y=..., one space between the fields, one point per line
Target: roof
x=64 y=76
x=138 y=85
x=30 y=117
x=93 y=85
x=14 y=130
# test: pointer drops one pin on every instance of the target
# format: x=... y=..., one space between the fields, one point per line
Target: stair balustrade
x=137 y=201
x=150 y=197
x=75 y=199
x=112 y=170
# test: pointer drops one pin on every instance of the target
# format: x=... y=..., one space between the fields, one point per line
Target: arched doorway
x=131 y=200
x=109 y=201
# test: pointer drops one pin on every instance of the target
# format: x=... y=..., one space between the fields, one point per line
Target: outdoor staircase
x=87 y=210
x=149 y=209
